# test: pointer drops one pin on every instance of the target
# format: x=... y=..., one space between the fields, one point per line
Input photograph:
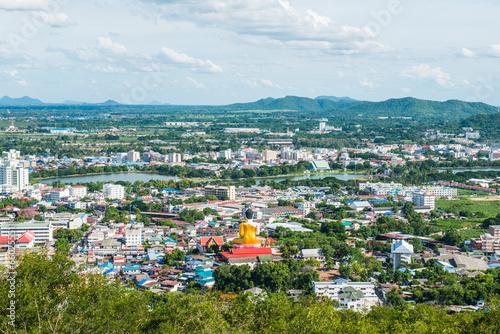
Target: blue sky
x=219 y=52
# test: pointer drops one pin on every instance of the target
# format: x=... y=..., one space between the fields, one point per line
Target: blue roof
x=107 y=272
x=494 y=265
x=205 y=274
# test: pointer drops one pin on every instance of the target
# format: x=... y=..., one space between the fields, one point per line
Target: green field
x=489 y=208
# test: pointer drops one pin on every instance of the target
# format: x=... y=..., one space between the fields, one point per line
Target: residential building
x=174 y=157
x=58 y=194
x=77 y=191
x=316 y=254
x=222 y=193
x=424 y=199
x=353 y=295
x=268 y=155
x=133 y=156
x=401 y=251
x=113 y=191
x=13 y=175
x=133 y=237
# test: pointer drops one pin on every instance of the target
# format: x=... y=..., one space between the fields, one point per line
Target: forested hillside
x=52 y=296
x=489 y=125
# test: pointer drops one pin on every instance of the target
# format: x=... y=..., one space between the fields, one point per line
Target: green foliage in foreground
x=51 y=297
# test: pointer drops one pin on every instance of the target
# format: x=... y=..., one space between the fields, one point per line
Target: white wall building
x=353 y=295
x=424 y=199
x=77 y=191
x=58 y=194
x=133 y=237
x=174 y=157
x=113 y=191
x=401 y=251
x=13 y=175
x=133 y=156
x=43 y=230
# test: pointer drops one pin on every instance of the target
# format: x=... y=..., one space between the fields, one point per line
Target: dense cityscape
x=271 y=166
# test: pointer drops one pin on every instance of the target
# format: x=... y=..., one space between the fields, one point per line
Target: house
x=204 y=276
x=316 y=254
x=172 y=286
x=26 y=240
x=360 y=205
x=332 y=290
x=207 y=242
x=350 y=298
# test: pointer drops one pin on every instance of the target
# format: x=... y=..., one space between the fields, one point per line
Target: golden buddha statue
x=248 y=232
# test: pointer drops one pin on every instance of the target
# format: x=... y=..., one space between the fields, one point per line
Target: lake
x=145 y=177
x=131 y=177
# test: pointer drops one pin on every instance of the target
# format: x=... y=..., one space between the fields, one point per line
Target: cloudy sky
x=225 y=51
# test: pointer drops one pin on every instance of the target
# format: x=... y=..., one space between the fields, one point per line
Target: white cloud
x=23 y=4
x=14 y=76
x=426 y=71
x=467 y=53
x=106 y=44
x=197 y=64
x=196 y=83
x=253 y=82
x=273 y=23
x=494 y=50
x=366 y=83
x=53 y=20
x=104 y=69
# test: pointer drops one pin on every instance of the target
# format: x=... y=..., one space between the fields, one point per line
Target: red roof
x=5 y=240
x=247 y=252
x=26 y=237
x=204 y=240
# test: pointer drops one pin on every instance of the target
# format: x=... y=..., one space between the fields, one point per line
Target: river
x=145 y=177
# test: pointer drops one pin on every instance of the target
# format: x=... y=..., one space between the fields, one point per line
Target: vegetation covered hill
x=489 y=125
x=52 y=296
x=451 y=110
x=288 y=102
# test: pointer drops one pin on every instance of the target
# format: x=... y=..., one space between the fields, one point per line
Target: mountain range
x=451 y=110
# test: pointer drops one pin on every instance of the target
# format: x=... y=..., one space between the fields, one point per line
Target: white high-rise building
x=77 y=191
x=113 y=191
x=133 y=156
x=13 y=175
x=174 y=157
x=424 y=199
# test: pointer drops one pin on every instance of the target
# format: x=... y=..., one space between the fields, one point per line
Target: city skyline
x=220 y=52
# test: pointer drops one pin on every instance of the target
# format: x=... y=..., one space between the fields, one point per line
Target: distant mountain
x=109 y=103
x=336 y=99
x=452 y=110
x=288 y=102
x=419 y=109
x=22 y=101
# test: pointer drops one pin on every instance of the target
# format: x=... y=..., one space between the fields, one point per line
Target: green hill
x=452 y=110
x=288 y=103
x=419 y=109
x=489 y=125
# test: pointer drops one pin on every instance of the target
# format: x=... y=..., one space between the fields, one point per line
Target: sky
x=215 y=52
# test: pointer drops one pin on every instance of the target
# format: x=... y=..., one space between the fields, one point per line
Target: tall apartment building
x=489 y=242
x=268 y=155
x=133 y=156
x=13 y=175
x=174 y=157
x=113 y=191
x=424 y=199
x=221 y=192
x=77 y=191
x=133 y=237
